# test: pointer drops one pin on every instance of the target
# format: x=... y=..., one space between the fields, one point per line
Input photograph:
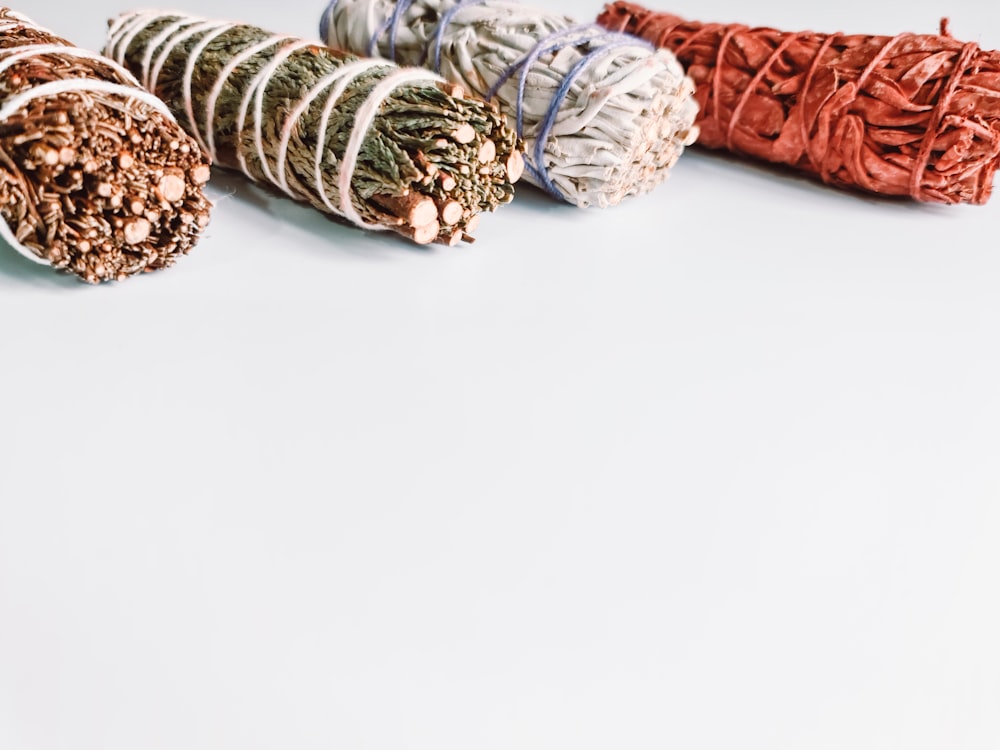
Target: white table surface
x=576 y=486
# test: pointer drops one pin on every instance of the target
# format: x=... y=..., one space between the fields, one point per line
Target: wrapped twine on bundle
x=913 y=115
x=603 y=115
x=95 y=176
x=385 y=148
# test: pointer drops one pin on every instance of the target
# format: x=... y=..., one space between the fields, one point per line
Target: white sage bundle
x=603 y=115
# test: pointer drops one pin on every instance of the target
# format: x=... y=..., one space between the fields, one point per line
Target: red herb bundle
x=913 y=115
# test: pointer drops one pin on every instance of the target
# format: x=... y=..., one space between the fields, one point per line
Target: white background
x=581 y=485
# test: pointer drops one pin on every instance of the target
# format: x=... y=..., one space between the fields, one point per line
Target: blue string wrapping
x=592 y=41
x=606 y=42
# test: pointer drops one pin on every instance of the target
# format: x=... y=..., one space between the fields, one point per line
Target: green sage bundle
x=95 y=175
x=385 y=148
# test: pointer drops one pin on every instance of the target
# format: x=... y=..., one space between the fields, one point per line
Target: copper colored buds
x=95 y=176
x=913 y=115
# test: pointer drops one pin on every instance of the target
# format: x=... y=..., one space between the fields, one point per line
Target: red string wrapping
x=913 y=115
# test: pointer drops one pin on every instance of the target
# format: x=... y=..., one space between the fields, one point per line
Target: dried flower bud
x=76 y=132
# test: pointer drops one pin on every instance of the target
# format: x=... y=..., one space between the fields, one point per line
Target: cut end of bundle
x=97 y=179
x=95 y=211
x=459 y=177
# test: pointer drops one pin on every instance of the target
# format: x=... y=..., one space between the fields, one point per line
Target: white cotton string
x=161 y=59
x=124 y=29
x=14 y=103
x=114 y=32
x=345 y=75
x=25 y=21
x=32 y=50
x=363 y=120
x=83 y=85
x=228 y=70
x=251 y=108
x=123 y=34
x=257 y=88
x=189 y=69
x=357 y=68
x=154 y=44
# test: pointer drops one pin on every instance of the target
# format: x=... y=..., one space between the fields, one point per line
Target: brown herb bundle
x=95 y=176
x=913 y=115
x=384 y=147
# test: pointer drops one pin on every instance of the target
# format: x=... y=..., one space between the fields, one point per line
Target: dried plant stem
x=914 y=115
x=383 y=147
x=603 y=115
x=95 y=176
